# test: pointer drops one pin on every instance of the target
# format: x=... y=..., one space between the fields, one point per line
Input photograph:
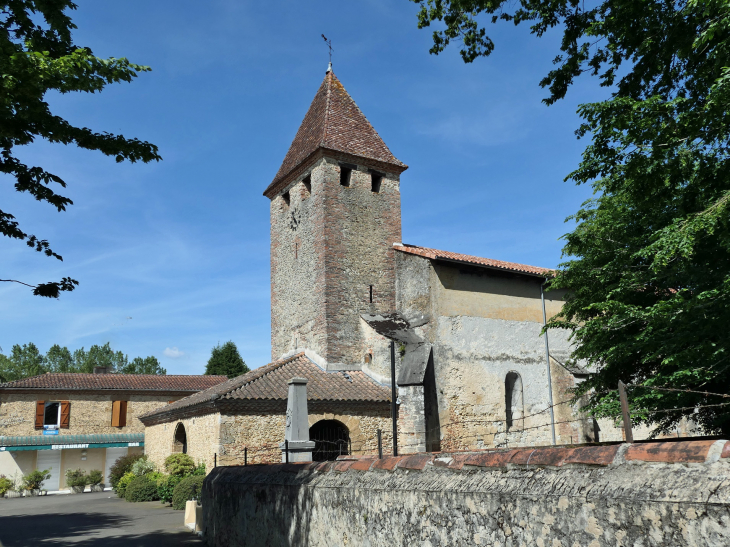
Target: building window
x=52 y=415
x=376 y=180
x=345 y=174
x=287 y=200
x=513 y=399
x=371 y=294
x=119 y=413
x=307 y=185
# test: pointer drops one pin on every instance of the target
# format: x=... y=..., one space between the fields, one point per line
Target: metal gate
x=331 y=439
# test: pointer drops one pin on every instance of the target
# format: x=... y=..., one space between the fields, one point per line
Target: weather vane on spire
x=329 y=45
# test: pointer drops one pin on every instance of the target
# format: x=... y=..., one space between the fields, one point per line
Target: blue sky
x=173 y=257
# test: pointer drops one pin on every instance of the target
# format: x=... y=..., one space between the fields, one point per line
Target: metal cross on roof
x=329 y=45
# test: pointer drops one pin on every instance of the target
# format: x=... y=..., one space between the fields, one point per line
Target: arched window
x=180 y=444
x=331 y=439
x=513 y=399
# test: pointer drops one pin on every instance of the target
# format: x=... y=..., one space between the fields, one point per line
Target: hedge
x=141 y=488
x=188 y=489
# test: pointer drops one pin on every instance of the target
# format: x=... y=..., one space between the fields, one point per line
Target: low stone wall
x=648 y=494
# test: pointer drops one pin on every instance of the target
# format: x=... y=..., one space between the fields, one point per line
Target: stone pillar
x=297 y=423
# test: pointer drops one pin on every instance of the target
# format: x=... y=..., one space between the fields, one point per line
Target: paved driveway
x=91 y=520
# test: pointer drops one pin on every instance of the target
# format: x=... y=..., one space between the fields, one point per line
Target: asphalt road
x=91 y=520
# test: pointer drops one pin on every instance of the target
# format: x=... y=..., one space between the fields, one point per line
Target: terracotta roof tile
x=335 y=122
x=435 y=254
x=270 y=382
x=134 y=382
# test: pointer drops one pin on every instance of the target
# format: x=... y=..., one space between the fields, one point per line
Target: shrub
x=143 y=467
x=34 y=479
x=166 y=486
x=95 y=477
x=179 y=465
x=142 y=488
x=76 y=477
x=189 y=488
x=199 y=469
x=123 y=483
x=121 y=467
x=5 y=485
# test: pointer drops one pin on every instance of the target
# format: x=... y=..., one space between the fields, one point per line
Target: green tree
x=649 y=259
x=99 y=356
x=146 y=365
x=59 y=359
x=24 y=361
x=226 y=361
x=38 y=56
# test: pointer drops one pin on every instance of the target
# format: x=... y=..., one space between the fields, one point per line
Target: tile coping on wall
x=677 y=452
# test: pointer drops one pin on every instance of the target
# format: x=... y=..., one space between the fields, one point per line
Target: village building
x=81 y=421
x=471 y=363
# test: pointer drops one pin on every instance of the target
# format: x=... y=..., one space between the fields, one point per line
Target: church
x=472 y=369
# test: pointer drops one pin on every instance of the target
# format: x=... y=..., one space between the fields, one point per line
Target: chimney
x=102 y=370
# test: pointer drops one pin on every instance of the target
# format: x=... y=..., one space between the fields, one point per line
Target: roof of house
x=129 y=382
x=435 y=254
x=270 y=382
x=335 y=122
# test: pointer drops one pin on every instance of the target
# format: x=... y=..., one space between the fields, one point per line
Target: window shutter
x=40 y=412
x=65 y=414
x=122 y=413
x=115 y=413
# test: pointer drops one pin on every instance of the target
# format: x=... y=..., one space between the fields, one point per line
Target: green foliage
x=199 y=469
x=649 y=260
x=123 y=483
x=143 y=466
x=34 y=479
x=26 y=360
x=143 y=488
x=226 y=361
x=39 y=59
x=95 y=477
x=121 y=467
x=179 y=464
x=188 y=489
x=147 y=365
x=5 y=485
x=76 y=477
x=166 y=487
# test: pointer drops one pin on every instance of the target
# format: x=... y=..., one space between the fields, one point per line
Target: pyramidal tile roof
x=270 y=383
x=435 y=254
x=335 y=122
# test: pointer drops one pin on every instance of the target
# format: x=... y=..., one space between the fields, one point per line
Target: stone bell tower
x=335 y=214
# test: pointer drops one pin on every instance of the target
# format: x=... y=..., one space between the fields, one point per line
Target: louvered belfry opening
x=331 y=438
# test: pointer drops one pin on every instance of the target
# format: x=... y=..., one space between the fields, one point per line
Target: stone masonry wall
x=202 y=434
x=227 y=435
x=327 y=249
x=89 y=414
x=648 y=495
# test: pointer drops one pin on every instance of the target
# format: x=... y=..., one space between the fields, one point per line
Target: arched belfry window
x=513 y=400
x=180 y=443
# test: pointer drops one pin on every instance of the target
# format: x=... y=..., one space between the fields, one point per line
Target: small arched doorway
x=180 y=443
x=331 y=439
x=513 y=399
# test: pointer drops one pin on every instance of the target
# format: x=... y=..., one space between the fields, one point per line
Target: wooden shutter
x=40 y=412
x=119 y=413
x=122 y=413
x=65 y=414
x=115 y=413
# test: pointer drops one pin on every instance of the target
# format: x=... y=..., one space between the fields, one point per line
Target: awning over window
x=62 y=442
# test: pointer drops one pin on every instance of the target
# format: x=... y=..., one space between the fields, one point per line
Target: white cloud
x=173 y=353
